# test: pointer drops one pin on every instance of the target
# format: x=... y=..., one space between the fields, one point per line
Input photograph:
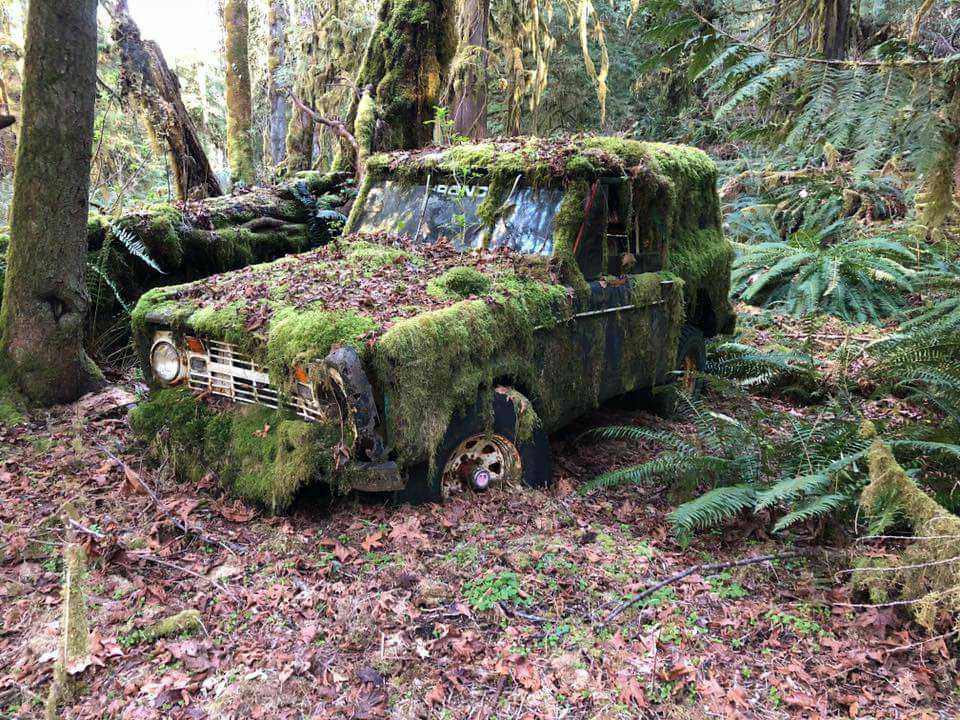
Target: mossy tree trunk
x=10 y=54
x=236 y=23
x=835 y=28
x=470 y=78
x=279 y=20
x=301 y=128
x=940 y=198
x=45 y=297
x=406 y=65
x=146 y=77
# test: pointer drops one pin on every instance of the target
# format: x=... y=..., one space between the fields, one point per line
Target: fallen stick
x=711 y=569
x=150 y=557
x=181 y=526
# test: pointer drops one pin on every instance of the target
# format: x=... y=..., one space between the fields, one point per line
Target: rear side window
x=590 y=252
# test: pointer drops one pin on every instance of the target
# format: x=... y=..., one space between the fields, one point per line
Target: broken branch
x=181 y=526
x=339 y=127
x=711 y=569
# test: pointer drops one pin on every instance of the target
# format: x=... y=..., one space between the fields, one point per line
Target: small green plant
x=726 y=590
x=802 y=627
x=486 y=592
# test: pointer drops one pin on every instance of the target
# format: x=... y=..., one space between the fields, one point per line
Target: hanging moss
x=918 y=573
x=261 y=455
x=566 y=229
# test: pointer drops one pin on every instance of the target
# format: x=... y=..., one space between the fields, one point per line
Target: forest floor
x=486 y=607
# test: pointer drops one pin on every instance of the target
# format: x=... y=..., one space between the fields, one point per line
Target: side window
x=650 y=234
x=618 y=229
x=591 y=252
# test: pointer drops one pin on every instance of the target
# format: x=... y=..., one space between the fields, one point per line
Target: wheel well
x=703 y=317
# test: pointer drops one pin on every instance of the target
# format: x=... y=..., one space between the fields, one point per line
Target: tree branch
x=712 y=569
x=338 y=127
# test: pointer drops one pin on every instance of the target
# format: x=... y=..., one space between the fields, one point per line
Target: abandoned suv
x=481 y=297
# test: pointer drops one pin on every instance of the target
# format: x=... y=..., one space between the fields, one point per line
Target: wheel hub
x=481 y=462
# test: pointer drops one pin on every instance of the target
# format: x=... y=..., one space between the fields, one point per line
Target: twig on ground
x=149 y=557
x=711 y=569
x=515 y=612
x=180 y=525
x=919 y=643
x=141 y=555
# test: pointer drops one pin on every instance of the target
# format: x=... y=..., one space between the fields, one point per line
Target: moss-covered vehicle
x=482 y=297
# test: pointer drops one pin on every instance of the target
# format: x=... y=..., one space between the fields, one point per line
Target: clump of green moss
x=374 y=256
x=184 y=622
x=261 y=455
x=300 y=337
x=10 y=400
x=460 y=282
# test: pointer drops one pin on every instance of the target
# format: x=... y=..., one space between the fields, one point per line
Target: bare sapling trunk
x=236 y=22
x=147 y=78
x=45 y=297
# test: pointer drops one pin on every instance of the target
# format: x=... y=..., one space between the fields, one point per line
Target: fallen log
x=174 y=243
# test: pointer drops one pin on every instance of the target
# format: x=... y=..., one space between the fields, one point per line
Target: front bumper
x=335 y=389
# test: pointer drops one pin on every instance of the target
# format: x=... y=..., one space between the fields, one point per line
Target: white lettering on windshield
x=460 y=191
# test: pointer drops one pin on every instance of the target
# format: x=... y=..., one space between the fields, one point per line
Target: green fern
x=820 y=268
x=132 y=244
x=323 y=222
x=713 y=508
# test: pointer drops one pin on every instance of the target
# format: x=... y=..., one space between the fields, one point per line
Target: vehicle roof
x=544 y=162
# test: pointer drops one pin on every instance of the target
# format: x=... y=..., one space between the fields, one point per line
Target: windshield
x=450 y=210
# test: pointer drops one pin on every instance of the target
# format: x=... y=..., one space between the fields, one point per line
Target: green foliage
x=817 y=470
x=749 y=367
x=322 y=221
x=820 y=267
x=488 y=591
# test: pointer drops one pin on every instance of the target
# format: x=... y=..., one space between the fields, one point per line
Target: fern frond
x=713 y=508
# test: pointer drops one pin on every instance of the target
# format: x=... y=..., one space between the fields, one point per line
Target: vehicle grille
x=225 y=372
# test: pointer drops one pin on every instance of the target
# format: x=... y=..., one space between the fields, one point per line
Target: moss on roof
x=542 y=161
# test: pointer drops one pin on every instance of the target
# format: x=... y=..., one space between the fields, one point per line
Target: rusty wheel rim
x=482 y=462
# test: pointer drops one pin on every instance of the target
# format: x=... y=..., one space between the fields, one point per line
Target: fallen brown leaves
x=360 y=610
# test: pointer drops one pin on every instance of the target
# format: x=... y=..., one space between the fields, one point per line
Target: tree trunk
x=45 y=298
x=470 y=83
x=10 y=55
x=278 y=90
x=941 y=187
x=835 y=29
x=239 y=104
x=301 y=129
x=406 y=64
x=146 y=77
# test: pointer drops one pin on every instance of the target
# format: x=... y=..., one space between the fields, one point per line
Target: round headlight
x=165 y=361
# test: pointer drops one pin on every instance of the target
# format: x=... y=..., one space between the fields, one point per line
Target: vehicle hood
x=351 y=292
